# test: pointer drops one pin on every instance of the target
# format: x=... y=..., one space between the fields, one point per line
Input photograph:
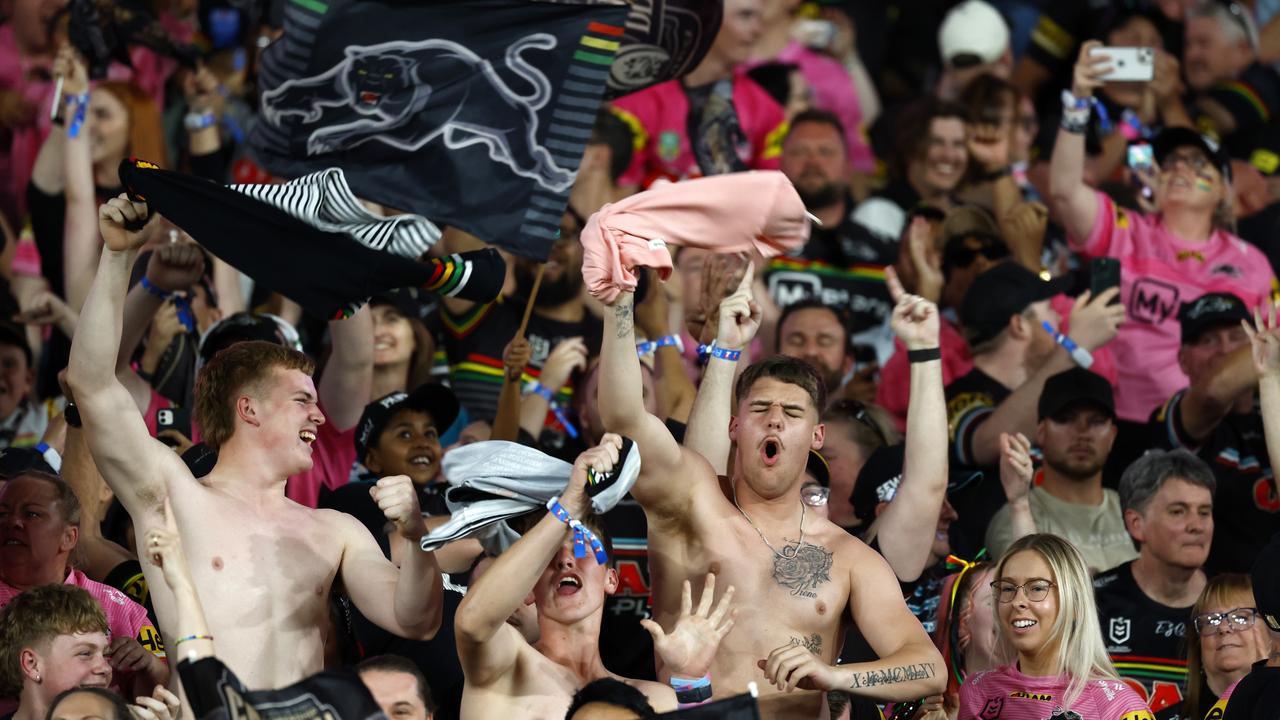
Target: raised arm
x=133 y=464
x=663 y=488
x=674 y=388
x=1207 y=403
x=1072 y=201
x=487 y=646
x=738 y=320
x=905 y=539
x=347 y=381
x=510 y=415
x=406 y=601
x=909 y=666
x=80 y=230
x=1264 y=336
x=1093 y=323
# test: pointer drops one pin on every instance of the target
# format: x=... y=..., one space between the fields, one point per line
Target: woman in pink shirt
x=1181 y=251
x=1048 y=641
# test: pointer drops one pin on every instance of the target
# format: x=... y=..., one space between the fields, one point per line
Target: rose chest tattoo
x=801 y=567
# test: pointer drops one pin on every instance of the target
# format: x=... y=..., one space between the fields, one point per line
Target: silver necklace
x=791 y=549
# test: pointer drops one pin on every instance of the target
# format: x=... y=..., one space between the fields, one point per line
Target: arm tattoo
x=622 y=314
x=812 y=643
x=889 y=676
x=802 y=567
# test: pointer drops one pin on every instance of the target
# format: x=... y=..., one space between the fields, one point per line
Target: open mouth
x=1024 y=624
x=568 y=585
x=370 y=98
x=422 y=461
x=307 y=436
x=770 y=451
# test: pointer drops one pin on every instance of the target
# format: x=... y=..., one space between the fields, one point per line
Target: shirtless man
x=263 y=563
x=509 y=679
x=806 y=577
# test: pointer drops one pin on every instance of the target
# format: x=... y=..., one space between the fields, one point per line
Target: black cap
x=411 y=302
x=817 y=467
x=1073 y=386
x=881 y=475
x=1171 y=139
x=1260 y=147
x=11 y=334
x=1208 y=311
x=240 y=327
x=432 y=398
x=1000 y=293
x=18 y=461
x=1266 y=583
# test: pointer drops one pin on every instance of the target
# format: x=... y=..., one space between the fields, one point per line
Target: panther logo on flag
x=387 y=86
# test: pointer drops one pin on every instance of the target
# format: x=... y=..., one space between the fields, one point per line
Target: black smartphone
x=173 y=419
x=1104 y=273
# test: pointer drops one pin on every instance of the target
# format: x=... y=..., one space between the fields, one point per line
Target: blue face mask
x=223 y=27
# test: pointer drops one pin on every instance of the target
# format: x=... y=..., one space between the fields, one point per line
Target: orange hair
x=146 y=133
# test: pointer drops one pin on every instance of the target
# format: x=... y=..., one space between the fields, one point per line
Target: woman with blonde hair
x=1228 y=641
x=1049 y=649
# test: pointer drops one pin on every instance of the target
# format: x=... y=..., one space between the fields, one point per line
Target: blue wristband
x=714 y=351
x=539 y=389
x=153 y=290
x=645 y=348
x=81 y=104
x=1082 y=357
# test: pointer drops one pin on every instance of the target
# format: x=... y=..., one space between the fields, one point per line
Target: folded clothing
x=757 y=210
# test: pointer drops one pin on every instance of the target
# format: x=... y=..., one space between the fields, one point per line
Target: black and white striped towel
x=325 y=201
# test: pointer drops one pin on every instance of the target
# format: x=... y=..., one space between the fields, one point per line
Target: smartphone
x=1104 y=273
x=905 y=710
x=1128 y=64
x=815 y=34
x=1141 y=157
x=173 y=419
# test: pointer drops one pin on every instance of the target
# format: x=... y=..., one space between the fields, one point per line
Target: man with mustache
x=1076 y=431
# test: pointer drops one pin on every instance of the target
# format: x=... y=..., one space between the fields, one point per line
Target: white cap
x=973 y=28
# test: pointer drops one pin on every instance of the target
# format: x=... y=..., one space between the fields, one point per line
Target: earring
x=37 y=678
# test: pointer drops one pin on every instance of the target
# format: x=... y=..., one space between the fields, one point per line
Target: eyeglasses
x=814 y=495
x=1238 y=619
x=1195 y=162
x=1035 y=590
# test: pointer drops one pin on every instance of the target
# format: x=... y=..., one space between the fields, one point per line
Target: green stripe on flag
x=314 y=6
x=583 y=55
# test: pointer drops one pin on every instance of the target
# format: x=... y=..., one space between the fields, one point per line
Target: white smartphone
x=815 y=34
x=1128 y=64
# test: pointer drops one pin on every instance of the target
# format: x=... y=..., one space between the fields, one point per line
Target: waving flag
x=473 y=113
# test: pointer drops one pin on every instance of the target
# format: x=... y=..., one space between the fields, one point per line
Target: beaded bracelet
x=189 y=638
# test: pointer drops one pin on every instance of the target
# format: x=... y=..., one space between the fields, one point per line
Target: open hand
x=1016 y=469
x=914 y=319
x=1264 y=336
x=398 y=500
x=691 y=646
x=117 y=212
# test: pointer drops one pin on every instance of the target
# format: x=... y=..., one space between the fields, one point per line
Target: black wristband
x=925 y=355
x=696 y=696
x=72 y=415
x=995 y=174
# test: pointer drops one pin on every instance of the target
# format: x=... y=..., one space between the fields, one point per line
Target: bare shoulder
x=660 y=696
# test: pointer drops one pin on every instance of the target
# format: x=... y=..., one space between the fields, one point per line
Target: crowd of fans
x=994 y=443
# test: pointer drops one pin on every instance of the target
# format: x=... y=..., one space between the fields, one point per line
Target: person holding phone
x=1181 y=251
x=1048 y=643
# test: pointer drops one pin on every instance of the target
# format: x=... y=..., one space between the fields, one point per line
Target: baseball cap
x=1261 y=147
x=1000 y=293
x=432 y=398
x=18 y=461
x=1210 y=310
x=1266 y=583
x=243 y=326
x=410 y=302
x=881 y=476
x=1171 y=139
x=1076 y=385
x=972 y=33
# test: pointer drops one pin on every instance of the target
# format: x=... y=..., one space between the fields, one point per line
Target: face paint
x=1203 y=185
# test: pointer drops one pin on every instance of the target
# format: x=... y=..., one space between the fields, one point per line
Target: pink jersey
x=1159 y=272
x=833 y=90
x=1006 y=694
x=659 y=121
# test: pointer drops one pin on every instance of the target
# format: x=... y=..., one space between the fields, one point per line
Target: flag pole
x=533 y=298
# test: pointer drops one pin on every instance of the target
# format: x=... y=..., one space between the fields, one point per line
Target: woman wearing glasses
x=1229 y=643
x=1048 y=643
x=1183 y=250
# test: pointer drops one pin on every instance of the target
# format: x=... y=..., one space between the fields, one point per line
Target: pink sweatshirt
x=1007 y=694
x=757 y=210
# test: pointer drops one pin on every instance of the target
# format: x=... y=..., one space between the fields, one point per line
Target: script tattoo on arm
x=801 y=568
x=622 y=313
x=812 y=643
x=889 y=676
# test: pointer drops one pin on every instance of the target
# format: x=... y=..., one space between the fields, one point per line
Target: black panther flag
x=473 y=113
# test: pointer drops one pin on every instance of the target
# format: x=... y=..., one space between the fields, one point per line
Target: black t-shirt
x=1145 y=639
x=626 y=648
x=474 y=340
x=1257 y=697
x=1252 y=99
x=970 y=401
x=841 y=266
x=215 y=693
x=1246 y=510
